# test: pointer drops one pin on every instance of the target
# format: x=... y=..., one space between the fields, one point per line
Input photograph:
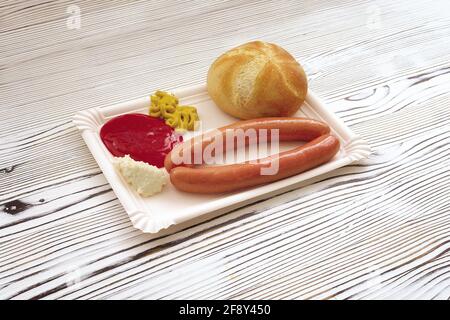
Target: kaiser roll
x=257 y=79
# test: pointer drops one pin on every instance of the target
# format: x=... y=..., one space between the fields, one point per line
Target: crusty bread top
x=257 y=79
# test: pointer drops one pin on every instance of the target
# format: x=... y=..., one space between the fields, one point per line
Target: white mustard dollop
x=146 y=179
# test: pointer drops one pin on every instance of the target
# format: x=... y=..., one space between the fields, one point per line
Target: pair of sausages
x=320 y=148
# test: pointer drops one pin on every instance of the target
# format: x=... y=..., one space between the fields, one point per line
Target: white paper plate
x=171 y=206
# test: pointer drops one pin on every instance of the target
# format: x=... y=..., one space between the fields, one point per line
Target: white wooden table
x=376 y=229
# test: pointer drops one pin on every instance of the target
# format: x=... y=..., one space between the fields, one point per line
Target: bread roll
x=257 y=79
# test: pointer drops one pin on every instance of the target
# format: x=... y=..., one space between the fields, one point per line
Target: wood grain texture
x=376 y=229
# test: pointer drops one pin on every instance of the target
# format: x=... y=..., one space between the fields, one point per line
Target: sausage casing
x=227 y=178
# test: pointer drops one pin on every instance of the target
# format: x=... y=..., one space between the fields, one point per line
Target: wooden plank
x=376 y=229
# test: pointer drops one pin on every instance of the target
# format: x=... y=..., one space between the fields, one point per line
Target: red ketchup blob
x=143 y=137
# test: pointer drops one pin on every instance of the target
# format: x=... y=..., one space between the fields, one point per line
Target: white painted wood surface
x=377 y=229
